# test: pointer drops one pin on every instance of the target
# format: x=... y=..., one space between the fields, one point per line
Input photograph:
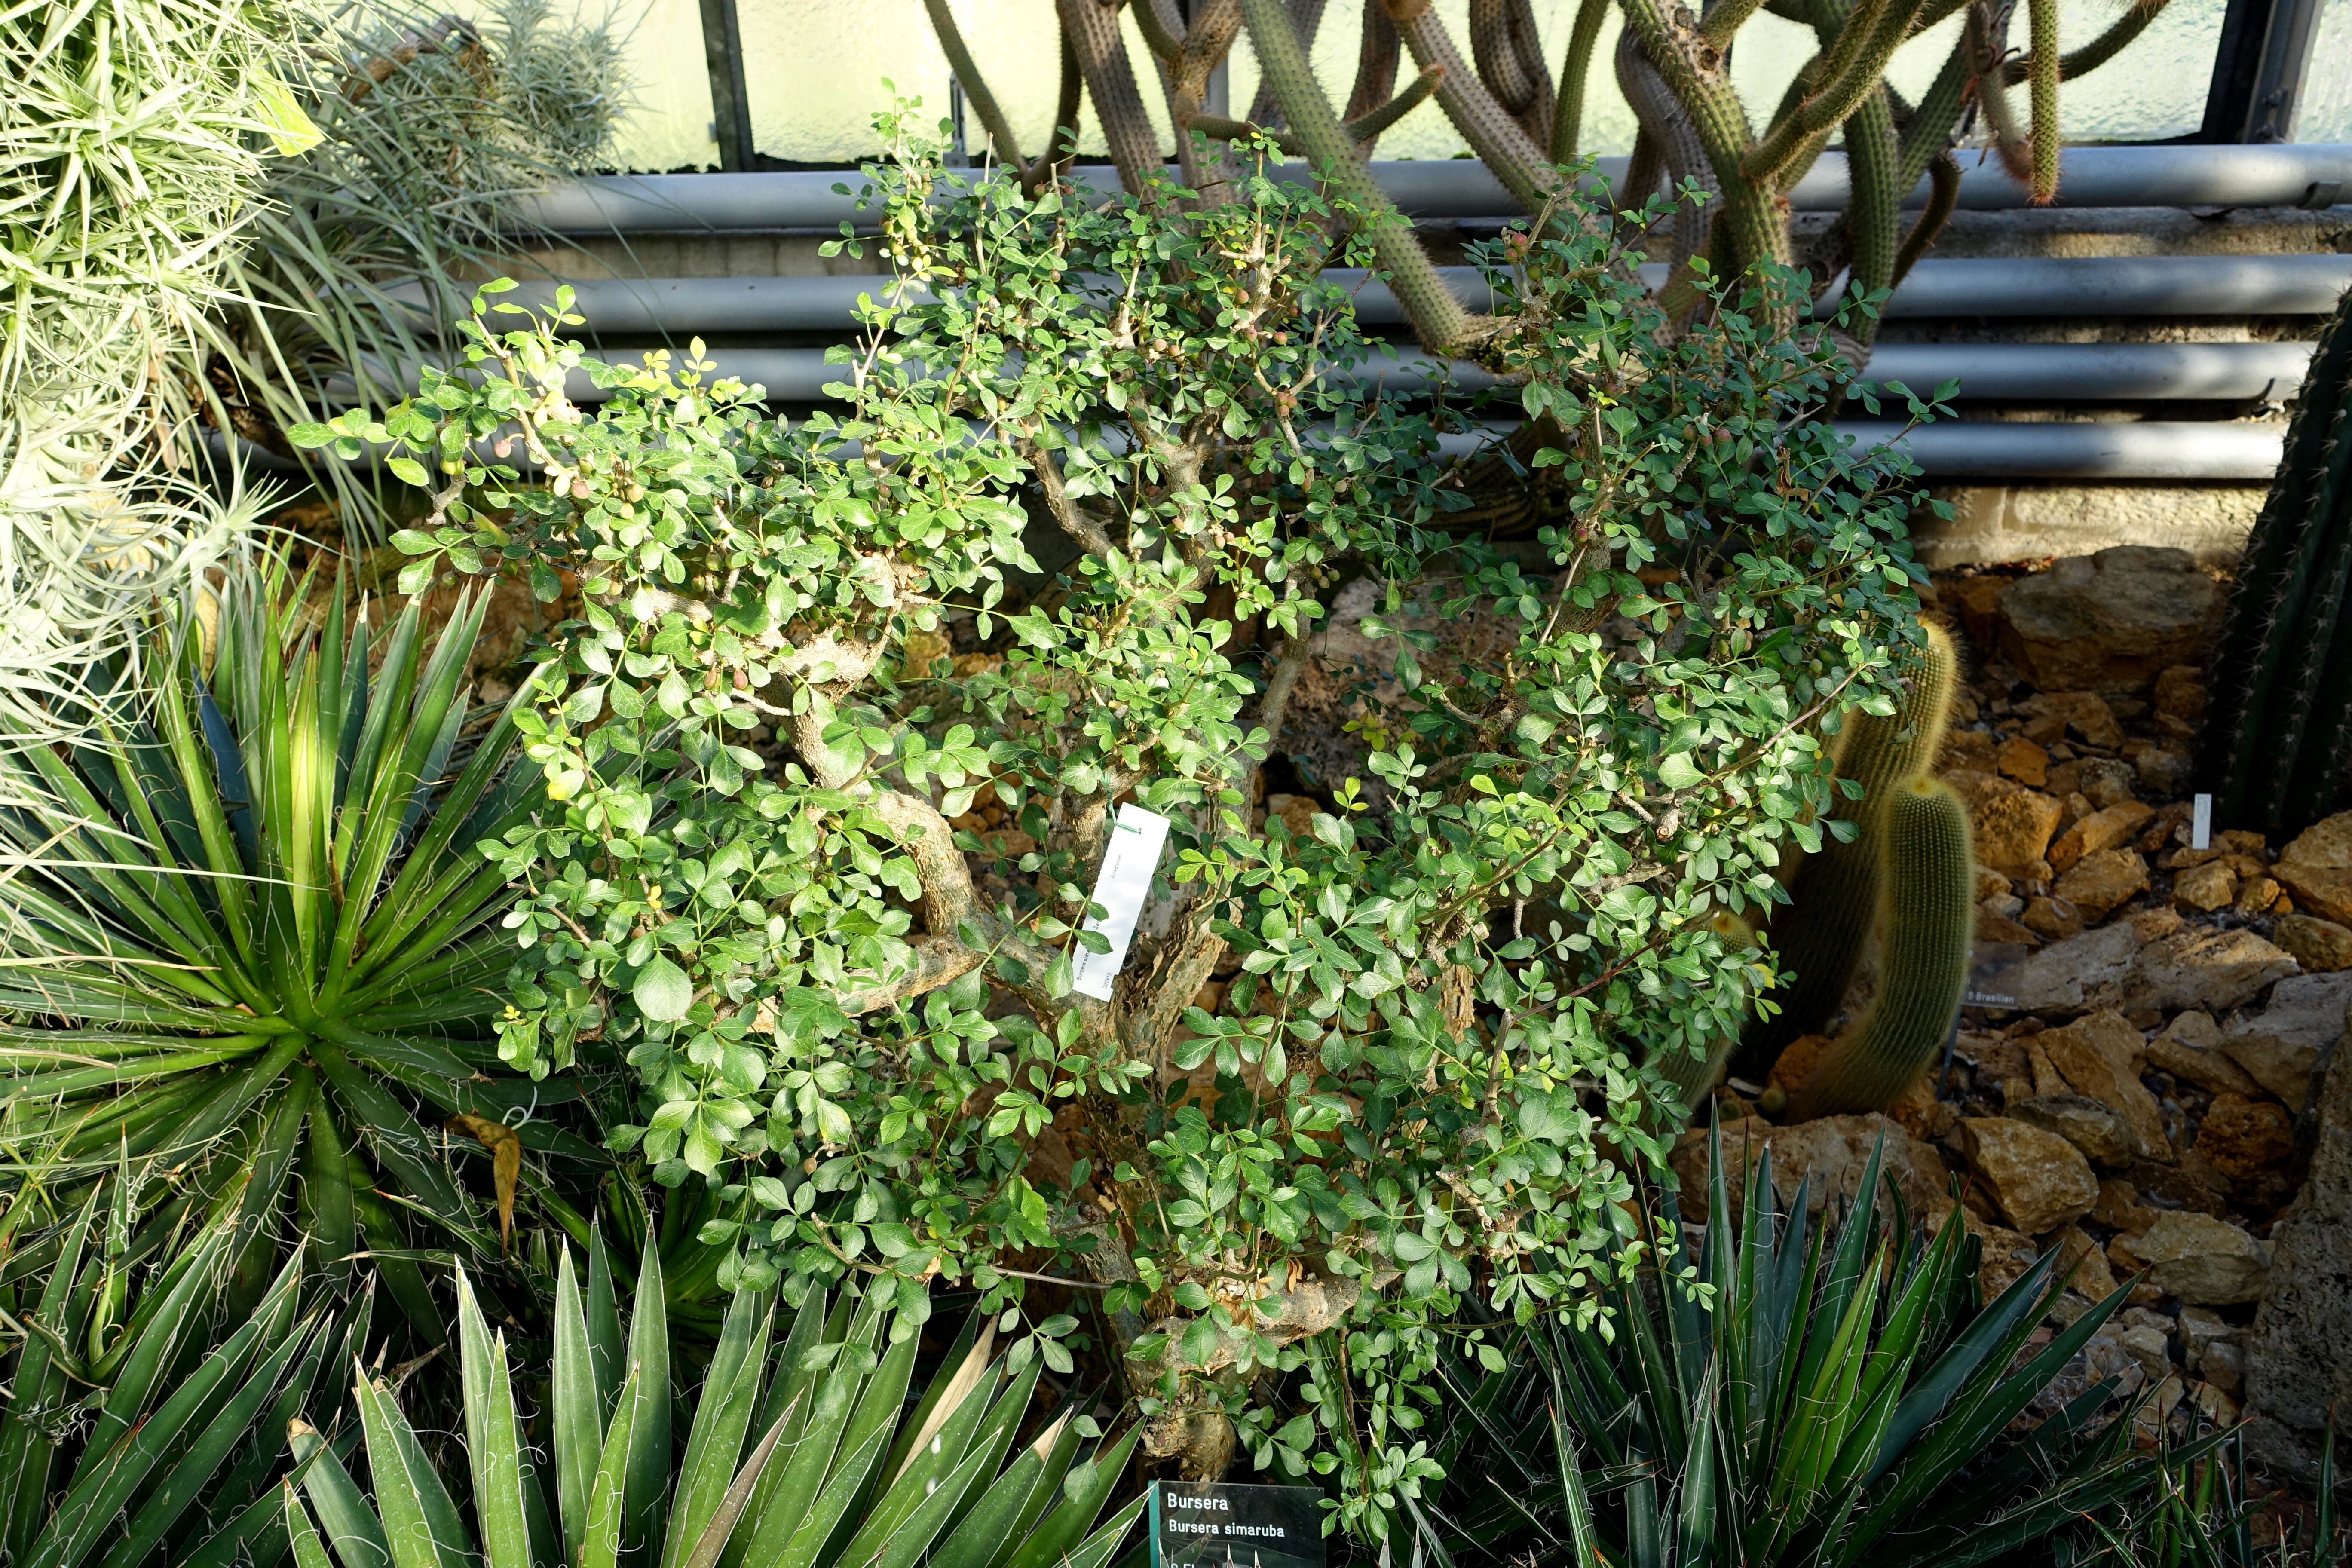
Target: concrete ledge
x=2028 y=522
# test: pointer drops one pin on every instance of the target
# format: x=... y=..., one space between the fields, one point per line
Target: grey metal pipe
x=2086 y=286
x=2111 y=373
x=2115 y=373
x=2283 y=174
x=2147 y=450
x=2004 y=450
x=2124 y=286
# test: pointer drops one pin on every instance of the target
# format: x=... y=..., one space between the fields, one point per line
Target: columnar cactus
x=1819 y=939
x=2279 y=742
x=1927 y=911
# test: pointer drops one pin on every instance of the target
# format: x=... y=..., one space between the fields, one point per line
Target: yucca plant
x=148 y=1389
x=801 y=1452
x=246 y=923
x=1795 y=1394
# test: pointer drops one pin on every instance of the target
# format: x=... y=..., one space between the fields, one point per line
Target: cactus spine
x=1927 y=915
x=1835 y=897
x=2280 y=738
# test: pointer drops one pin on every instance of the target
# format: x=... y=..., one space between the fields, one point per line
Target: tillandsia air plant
x=246 y=923
x=807 y=650
x=801 y=1451
x=429 y=127
x=1794 y=1393
x=134 y=143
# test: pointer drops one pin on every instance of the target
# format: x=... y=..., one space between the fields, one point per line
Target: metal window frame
x=2258 y=71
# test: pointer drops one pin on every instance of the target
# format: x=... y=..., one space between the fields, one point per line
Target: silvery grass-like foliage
x=132 y=141
x=855 y=1023
x=429 y=129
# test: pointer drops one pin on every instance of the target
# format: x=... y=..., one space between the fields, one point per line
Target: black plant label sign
x=1208 y=1525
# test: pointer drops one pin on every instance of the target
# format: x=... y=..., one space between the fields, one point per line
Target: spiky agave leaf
x=247 y=916
x=1840 y=1397
x=802 y=1453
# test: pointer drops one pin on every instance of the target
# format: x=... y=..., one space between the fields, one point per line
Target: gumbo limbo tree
x=805 y=651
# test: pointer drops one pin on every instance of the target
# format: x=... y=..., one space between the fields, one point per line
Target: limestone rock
x=2298 y=1368
x=2102 y=829
x=2089 y=970
x=2102 y=881
x=2207 y=1068
x=2039 y=1179
x=2205 y=1262
x=2024 y=761
x=2056 y=919
x=2099 y=1056
x=2320 y=946
x=2214 y=970
x=2279 y=1046
x=2083 y=1121
x=2245 y=1139
x=2317 y=868
x=2202 y=1328
x=2110 y=622
x=1831 y=1149
x=2205 y=887
x=2011 y=825
x=2163 y=770
x=2180 y=692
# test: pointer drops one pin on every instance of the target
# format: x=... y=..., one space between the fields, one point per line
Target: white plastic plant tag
x=1137 y=837
x=2200 y=824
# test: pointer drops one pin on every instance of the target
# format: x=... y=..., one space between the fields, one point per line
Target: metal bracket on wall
x=730 y=106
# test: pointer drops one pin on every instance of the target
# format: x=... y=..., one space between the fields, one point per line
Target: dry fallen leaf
x=506 y=1162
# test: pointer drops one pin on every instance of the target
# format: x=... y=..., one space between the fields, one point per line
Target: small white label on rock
x=2200 y=824
x=1137 y=837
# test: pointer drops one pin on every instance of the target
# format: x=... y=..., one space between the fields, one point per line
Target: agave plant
x=146 y=1391
x=246 y=922
x=1792 y=1395
x=802 y=1453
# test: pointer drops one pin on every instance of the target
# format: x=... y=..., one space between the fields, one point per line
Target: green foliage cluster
x=852 y=1022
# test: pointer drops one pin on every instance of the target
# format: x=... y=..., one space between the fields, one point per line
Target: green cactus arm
x=1378 y=49
x=1943 y=200
x=1438 y=318
x=1855 y=65
x=1696 y=74
x=1928 y=916
x=1092 y=31
x=1725 y=18
x=1163 y=28
x=975 y=86
x=2041 y=71
x=1575 y=75
x=1937 y=114
x=1493 y=135
x=2099 y=51
x=1874 y=216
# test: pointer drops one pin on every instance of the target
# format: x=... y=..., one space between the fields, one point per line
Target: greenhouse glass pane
x=2323 y=110
x=815 y=71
